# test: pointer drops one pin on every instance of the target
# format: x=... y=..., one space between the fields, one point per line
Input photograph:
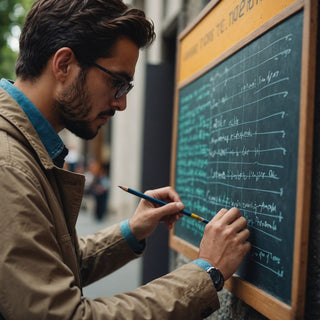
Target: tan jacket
x=43 y=265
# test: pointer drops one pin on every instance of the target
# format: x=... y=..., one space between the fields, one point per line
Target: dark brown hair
x=88 y=27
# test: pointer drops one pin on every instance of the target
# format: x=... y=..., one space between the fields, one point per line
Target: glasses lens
x=123 y=89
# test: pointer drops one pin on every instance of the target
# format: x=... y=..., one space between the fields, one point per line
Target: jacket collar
x=18 y=125
x=13 y=113
x=50 y=139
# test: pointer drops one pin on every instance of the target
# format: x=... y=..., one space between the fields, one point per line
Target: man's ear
x=62 y=62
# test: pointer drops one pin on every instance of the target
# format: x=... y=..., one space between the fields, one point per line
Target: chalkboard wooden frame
x=261 y=301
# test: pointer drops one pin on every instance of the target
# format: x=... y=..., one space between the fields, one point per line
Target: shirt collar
x=50 y=139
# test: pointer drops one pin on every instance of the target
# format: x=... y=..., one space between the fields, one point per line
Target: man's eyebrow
x=124 y=75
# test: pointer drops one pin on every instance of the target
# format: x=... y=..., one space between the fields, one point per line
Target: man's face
x=88 y=102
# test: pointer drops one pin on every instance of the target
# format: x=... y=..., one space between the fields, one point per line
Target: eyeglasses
x=123 y=87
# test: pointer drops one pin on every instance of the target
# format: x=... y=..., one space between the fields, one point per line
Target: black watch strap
x=216 y=277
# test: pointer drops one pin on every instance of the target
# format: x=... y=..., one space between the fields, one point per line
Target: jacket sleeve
x=37 y=284
x=186 y=293
x=96 y=251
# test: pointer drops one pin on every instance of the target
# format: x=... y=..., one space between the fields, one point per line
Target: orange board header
x=226 y=24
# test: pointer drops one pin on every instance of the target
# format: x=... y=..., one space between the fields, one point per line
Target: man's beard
x=73 y=106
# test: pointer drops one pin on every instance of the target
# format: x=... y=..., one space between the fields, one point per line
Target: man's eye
x=117 y=83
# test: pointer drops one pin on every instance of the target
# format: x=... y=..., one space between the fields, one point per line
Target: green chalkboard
x=237 y=145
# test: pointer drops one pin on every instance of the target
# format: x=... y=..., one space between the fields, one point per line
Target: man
x=77 y=60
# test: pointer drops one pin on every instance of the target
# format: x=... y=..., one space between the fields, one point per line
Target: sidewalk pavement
x=125 y=279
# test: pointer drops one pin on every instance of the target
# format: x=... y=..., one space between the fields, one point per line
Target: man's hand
x=224 y=243
x=148 y=215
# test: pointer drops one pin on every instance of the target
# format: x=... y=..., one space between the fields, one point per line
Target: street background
x=125 y=279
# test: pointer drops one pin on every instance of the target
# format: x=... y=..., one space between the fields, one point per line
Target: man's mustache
x=110 y=113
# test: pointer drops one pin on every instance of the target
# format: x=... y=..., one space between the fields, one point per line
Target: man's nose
x=120 y=104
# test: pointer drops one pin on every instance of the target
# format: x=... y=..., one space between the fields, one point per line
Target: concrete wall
x=126 y=144
x=127 y=127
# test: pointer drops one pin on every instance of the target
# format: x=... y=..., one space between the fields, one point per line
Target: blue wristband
x=205 y=265
x=135 y=245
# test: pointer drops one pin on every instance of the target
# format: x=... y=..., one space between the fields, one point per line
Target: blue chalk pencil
x=162 y=203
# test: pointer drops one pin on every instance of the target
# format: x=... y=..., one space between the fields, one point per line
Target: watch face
x=216 y=278
x=215 y=275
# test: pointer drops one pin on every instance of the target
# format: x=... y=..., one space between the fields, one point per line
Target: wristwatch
x=216 y=277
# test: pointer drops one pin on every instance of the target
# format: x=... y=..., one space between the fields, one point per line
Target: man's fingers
x=230 y=216
x=239 y=224
x=243 y=235
x=246 y=247
x=220 y=214
x=170 y=220
x=170 y=209
x=227 y=216
x=167 y=194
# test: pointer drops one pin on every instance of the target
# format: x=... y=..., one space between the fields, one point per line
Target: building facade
x=140 y=150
